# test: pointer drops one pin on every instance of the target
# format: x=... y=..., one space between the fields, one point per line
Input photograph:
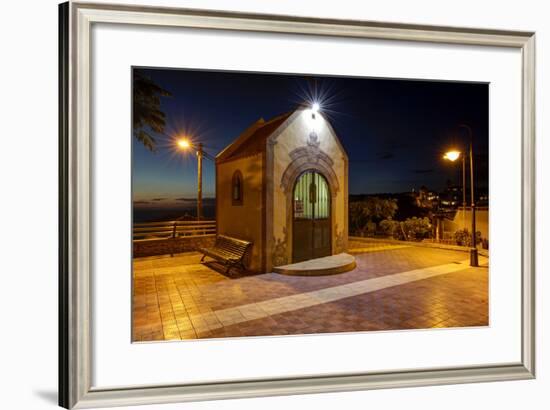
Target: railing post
x=174 y=231
x=167 y=230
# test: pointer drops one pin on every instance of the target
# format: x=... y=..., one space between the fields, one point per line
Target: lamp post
x=185 y=145
x=453 y=156
x=463 y=187
x=200 y=153
x=473 y=250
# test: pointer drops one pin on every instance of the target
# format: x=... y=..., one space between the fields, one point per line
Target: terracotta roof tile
x=255 y=142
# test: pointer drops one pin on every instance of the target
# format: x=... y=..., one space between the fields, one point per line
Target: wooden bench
x=227 y=250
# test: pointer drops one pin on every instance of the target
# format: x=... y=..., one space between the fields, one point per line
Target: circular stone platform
x=328 y=265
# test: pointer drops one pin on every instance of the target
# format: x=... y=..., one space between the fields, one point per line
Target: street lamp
x=453 y=156
x=184 y=144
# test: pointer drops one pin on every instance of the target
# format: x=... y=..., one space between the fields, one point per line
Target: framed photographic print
x=255 y=205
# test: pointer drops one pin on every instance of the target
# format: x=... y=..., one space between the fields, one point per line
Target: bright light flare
x=452 y=155
x=184 y=143
x=318 y=97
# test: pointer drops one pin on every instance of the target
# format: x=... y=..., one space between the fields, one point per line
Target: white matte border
x=118 y=362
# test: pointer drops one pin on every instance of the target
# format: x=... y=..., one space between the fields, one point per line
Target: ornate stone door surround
x=308 y=158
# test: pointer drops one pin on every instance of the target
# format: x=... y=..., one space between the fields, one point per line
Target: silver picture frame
x=75 y=352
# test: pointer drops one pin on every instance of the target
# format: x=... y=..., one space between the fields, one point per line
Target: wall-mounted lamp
x=314 y=109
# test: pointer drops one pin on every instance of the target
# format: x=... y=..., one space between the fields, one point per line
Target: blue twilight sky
x=394 y=131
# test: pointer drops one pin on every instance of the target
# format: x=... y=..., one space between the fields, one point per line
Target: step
x=328 y=265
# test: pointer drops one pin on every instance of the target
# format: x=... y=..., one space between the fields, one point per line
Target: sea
x=160 y=214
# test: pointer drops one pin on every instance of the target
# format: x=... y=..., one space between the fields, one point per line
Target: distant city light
x=452 y=155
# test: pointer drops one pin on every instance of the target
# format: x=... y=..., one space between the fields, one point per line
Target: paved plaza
x=394 y=286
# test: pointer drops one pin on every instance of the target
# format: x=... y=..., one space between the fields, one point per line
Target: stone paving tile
x=179 y=299
x=215 y=291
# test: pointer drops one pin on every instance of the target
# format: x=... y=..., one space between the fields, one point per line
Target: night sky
x=394 y=131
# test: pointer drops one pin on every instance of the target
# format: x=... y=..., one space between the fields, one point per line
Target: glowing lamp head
x=315 y=107
x=452 y=155
x=184 y=143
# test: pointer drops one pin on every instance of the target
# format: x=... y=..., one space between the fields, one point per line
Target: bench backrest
x=232 y=245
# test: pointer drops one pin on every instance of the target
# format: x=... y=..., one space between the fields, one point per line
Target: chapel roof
x=252 y=140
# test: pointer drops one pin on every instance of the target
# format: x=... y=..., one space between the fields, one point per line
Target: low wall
x=424 y=244
x=463 y=220
x=152 y=247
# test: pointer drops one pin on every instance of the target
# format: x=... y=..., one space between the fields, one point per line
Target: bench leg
x=228 y=269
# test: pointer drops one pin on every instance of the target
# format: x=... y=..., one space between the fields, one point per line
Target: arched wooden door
x=311 y=229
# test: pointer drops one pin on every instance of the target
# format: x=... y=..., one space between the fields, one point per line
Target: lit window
x=237 y=188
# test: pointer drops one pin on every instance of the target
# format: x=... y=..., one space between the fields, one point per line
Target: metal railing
x=172 y=229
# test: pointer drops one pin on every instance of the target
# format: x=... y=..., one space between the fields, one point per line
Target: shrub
x=463 y=237
x=371 y=229
x=391 y=228
x=417 y=228
x=363 y=215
